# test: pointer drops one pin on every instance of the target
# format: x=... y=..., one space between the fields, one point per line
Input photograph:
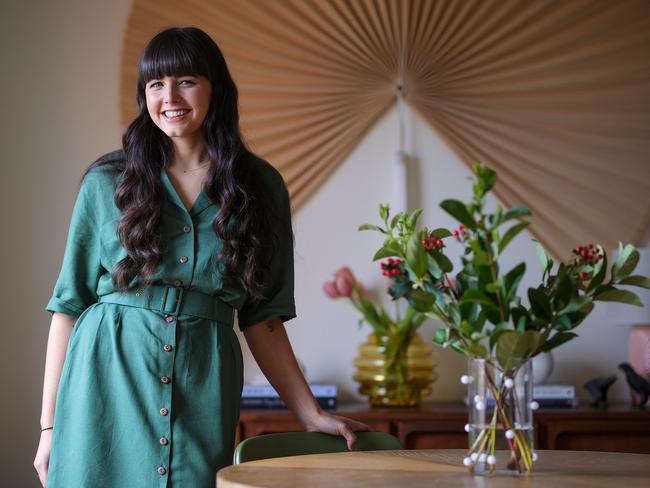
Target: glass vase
x=500 y=424
x=395 y=370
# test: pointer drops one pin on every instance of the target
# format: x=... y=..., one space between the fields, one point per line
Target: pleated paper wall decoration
x=555 y=95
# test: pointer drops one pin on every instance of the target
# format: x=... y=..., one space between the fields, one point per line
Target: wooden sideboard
x=441 y=426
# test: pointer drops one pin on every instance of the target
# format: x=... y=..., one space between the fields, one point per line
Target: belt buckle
x=177 y=302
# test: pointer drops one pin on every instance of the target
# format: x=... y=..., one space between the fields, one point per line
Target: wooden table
x=440 y=468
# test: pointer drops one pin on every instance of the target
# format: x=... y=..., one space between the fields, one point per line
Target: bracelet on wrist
x=47 y=428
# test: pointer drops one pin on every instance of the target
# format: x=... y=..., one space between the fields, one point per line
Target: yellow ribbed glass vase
x=395 y=370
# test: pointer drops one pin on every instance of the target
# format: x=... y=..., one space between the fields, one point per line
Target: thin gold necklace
x=202 y=165
x=197 y=168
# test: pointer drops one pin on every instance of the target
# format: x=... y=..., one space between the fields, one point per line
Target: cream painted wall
x=60 y=110
x=60 y=96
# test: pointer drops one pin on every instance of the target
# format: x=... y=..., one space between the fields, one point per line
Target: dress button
x=163 y=441
x=186 y=229
x=167 y=347
x=169 y=319
x=183 y=259
x=161 y=470
x=164 y=412
x=178 y=282
x=165 y=379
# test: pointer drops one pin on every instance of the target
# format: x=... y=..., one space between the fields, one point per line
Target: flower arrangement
x=481 y=310
x=389 y=378
x=345 y=285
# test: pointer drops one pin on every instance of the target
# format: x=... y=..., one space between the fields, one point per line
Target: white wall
x=60 y=111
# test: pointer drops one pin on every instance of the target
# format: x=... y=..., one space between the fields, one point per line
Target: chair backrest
x=298 y=443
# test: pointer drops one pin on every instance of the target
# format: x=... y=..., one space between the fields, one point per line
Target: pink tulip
x=329 y=287
x=344 y=286
x=344 y=279
x=346 y=273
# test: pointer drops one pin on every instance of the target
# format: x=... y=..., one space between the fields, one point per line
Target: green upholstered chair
x=298 y=443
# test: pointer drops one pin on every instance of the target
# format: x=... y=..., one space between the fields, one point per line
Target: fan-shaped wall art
x=555 y=95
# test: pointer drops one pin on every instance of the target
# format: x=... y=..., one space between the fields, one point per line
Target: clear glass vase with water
x=500 y=428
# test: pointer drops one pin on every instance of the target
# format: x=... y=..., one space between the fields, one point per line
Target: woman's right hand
x=42 y=459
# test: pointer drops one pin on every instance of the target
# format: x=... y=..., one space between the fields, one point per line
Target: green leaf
x=511 y=280
x=421 y=300
x=621 y=296
x=510 y=234
x=458 y=210
x=453 y=313
x=636 y=280
x=515 y=347
x=434 y=267
x=521 y=323
x=371 y=227
x=416 y=256
x=384 y=211
x=489 y=308
x=477 y=350
x=480 y=256
x=440 y=336
x=575 y=304
x=443 y=261
x=441 y=233
x=413 y=218
x=558 y=339
x=541 y=255
x=515 y=213
x=564 y=292
x=564 y=323
x=487 y=178
x=394 y=220
x=539 y=303
x=493 y=287
x=578 y=316
x=476 y=296
x=458 y=347
x=626 y=261
x=384 y=253
x=520 y=314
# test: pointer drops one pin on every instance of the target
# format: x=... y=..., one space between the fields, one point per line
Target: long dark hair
x=242 y=223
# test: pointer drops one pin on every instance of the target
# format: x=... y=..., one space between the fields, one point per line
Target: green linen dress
x=150 y=388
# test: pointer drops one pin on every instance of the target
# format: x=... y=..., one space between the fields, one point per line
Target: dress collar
x=201 y=203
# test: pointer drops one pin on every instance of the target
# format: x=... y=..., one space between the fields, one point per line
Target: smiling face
x=178 y=105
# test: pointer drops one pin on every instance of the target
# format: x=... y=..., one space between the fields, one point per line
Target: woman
x=167 y=239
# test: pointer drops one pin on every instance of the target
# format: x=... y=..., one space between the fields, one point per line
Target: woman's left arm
x=271 y=349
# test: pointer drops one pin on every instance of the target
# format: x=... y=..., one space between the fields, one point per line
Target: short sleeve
x=76 y=287
x=279 y=299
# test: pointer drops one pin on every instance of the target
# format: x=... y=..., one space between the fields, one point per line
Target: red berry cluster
x=588 y=253
x=391 y=267
x=432 y=242
x=461 y=233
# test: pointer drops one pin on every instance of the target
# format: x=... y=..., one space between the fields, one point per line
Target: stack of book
x=555 y=396
x=264 y=397
x=547 y=396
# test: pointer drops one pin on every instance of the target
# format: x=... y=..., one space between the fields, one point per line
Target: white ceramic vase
x=542 y=367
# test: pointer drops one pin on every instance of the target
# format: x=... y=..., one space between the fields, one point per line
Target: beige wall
x=59 y=96
x=60 y=111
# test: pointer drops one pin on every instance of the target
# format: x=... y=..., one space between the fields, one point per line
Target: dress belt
x=175 y=300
